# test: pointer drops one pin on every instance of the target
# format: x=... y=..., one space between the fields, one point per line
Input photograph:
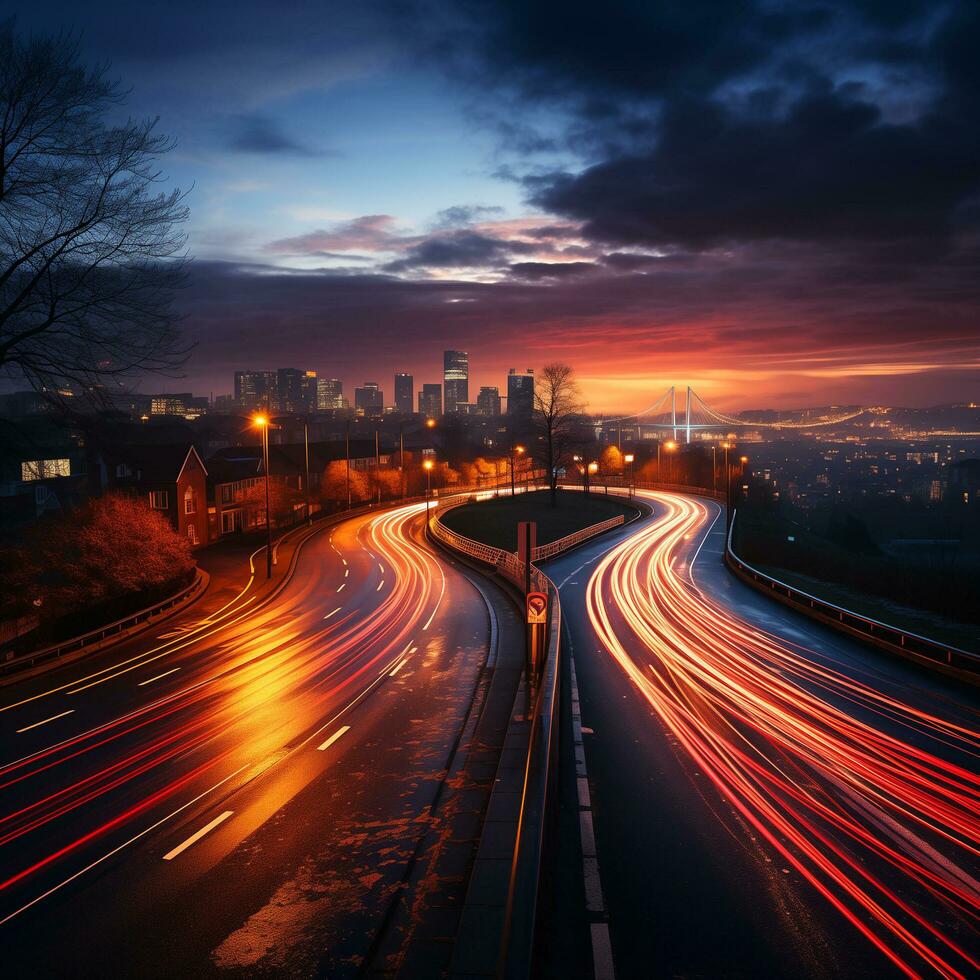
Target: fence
x=97 y=636
x=919 y=648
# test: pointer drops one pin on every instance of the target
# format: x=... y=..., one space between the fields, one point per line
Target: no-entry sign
x=537 y=607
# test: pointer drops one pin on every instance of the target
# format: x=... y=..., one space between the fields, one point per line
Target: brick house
x=172 y=479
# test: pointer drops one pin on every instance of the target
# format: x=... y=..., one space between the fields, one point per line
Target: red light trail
x=260 y=684
x=884 y=826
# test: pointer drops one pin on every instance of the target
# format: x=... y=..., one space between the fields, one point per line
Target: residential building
x=369 y=399
x=488 y=401
x=171 y=479
x=520 y=394
x=455 y=375
x=329 y=394
x=404 y=393
x=430 y=401
x=256 y=390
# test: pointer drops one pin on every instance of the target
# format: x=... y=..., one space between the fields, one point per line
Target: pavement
x=676 y=856
x=264 y=786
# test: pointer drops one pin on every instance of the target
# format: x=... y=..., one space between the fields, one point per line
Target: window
x=122 y=470
x=227 y=493
x=192 y=533
x=190 y=502
x=228 y=522
x=41 y=469
x=159 y=499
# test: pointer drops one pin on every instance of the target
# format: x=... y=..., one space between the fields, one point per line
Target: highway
x=768 y=798
x=244 y=792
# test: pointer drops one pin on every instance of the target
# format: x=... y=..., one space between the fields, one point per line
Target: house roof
x=155 y=463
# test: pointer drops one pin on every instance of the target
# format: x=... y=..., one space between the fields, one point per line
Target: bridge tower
x=688 y=414
x=673 y=410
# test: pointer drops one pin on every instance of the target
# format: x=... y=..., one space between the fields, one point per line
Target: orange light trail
x=263 y=680
x=884 y=827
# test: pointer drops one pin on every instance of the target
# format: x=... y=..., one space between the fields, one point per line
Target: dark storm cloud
x=262 y=134
x=703 y=123
x=461 y=249
x=550 y=270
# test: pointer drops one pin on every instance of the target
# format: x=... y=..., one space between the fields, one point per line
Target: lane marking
x=166 y=673
x=381 y=585
x=343 y=730
x=381 y=568
x=38 y=724
x=398 y=666
x=116 y=850
x=334 y=613
x=341 y=589
x=346 y=572
x=194 y=838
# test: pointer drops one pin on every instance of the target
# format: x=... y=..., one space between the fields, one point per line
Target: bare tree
x=558 y=407
x=90 y=250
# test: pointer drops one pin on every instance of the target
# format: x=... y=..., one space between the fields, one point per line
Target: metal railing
x=102 y=633
x=884 y=635
x=574 y=539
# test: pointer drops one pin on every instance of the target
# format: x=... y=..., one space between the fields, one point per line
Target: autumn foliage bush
x=111 y=548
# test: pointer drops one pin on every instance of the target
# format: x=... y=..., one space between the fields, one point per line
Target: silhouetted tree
x=558 y=407
x=90 y=251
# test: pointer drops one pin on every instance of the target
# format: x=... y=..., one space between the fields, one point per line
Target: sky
x=775 y=202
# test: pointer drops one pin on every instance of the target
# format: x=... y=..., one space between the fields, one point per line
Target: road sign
x=537 y=607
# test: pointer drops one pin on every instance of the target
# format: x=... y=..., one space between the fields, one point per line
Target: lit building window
x=41 y=469
x=190 y=504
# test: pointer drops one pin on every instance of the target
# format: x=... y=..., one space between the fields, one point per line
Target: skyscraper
x=369 y=399
x=329 y=394
x=430 y=401
x=488 y=401
x=255 y=390
x=520 y=394
x=404 y=392
x=456 y=374
x=292 y=387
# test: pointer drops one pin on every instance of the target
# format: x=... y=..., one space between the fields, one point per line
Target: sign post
x=527 y=540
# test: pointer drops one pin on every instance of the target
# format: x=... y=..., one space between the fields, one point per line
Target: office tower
x=520 y=393
x=256 y=390
x=488 y=401
x=455 y=374
x=430 y=401
x=369 y=399
x=309 y=391
x=329 y=394
x=292 y=389
x=404 y=390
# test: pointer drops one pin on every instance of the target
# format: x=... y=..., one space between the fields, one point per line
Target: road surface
x=246 y=793
x=767 y=797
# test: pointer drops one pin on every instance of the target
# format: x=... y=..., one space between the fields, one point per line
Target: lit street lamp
x=262 y=422
x=670 y=446
x=513 y=459
x=427 y=466
x=629 y=459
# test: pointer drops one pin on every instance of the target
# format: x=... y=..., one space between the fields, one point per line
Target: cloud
x=464 y=214
x=262 y=134
x=369 y=233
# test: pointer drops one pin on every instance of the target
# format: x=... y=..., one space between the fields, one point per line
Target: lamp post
x=306 y=446
x=377 y=460
x=262 y=422
x=728 y=490
x=515 y=451
x=670 y=446
x=347 y=454
x=427 y=466
x=629 y=459
x=591 y=470
x=714 y=468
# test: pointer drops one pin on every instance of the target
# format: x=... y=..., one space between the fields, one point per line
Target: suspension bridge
x=697 y=416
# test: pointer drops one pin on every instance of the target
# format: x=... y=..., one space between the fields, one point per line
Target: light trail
x=885 y=827
x=257 y=687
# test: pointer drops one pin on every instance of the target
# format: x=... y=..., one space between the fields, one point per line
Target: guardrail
x=930 y=652
x=109 y=631
x=540 y=772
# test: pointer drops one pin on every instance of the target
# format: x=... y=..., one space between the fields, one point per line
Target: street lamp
x=427 y=466
x=670 y=446
x=629 y=459
x=262 y=421
x=517 y=450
